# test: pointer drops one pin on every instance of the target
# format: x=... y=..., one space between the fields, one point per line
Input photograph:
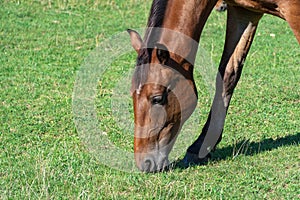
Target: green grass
x=42 y=46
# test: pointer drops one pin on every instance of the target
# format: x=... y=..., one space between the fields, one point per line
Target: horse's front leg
x=241 y=27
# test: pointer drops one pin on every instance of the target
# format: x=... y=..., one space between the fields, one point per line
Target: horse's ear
x=136 y=40
x=162 y=53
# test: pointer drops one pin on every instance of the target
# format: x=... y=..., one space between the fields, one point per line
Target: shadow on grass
x=246 y=148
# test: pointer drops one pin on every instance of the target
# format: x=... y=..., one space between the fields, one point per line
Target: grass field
x=42 y=46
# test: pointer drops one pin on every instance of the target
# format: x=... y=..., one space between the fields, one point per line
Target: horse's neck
x=188 y=16
x=187 y=19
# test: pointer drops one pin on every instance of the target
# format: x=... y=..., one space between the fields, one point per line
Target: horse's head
x=164 y=96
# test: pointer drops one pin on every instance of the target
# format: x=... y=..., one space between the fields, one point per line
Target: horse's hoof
x=193 y=159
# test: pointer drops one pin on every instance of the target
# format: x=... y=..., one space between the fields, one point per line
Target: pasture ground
x=43 y=44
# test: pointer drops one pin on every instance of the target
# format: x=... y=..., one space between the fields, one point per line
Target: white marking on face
x=138 y=91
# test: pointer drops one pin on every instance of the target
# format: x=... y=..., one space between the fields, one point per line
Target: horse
x=163 y=89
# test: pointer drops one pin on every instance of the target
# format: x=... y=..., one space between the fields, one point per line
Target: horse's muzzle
x=152 y=164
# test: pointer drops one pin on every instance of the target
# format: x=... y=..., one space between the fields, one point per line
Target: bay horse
x=163 y=88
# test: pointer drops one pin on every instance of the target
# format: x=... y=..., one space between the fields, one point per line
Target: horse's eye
x=159 y=99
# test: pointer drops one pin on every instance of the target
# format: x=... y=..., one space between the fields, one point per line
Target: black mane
x=157 y=13
x=156 y=17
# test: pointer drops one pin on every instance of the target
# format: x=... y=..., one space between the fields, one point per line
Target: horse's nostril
x=148 y=165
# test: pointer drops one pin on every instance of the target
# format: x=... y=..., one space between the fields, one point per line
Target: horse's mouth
x=151 y=166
